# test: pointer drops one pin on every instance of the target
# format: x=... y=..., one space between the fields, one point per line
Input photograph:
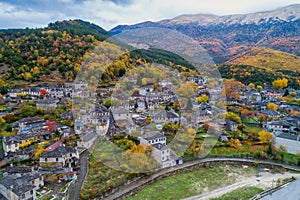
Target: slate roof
x=17 y=169
x=153 y=136
x=160 y=146
x=58 y=152
x=19 y=185
x=88 y=136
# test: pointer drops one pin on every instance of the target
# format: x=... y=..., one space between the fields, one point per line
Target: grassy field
x=250 y=120
x=252 y=128
x=101 y=179
x=244 y=193
x=192 y=183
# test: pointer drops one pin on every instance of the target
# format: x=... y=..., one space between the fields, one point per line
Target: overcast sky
x=109 y=13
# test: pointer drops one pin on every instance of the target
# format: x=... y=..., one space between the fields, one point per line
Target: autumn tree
x=262 y=117
x=259 y=87
x=265 y=137
x=272 y=106
x=235 y=143
x=280 y=83
x=245 y=112
x=232 y=89
x=2 y=121
x=185 y=90
x=202 y=99
x=233 y=117
x=252 y=86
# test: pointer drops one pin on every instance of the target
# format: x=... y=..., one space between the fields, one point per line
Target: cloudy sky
x=109 y=13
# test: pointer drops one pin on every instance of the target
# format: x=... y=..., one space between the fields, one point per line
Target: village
x=43 y=134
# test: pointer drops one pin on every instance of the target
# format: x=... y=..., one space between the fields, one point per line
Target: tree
x=235 y=143
x=232 y=89
x=202 y=99
x=272 y=106
x=262 y=117
x=108 y=103
x=9 y=118
x=280 y=83
x=2 y=121
x=259 y=87
x=245 y=112
x=233 y=117
x=185 y=90
x=265 y=137
x=252 y=86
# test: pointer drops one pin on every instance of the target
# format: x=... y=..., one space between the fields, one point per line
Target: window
x=56 y=159
x=15 y=145
x=46 y=159
x=163 y=158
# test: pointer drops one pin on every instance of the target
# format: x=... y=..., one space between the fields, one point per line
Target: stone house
x=166 y=117
x=48 y=104
x=21 y=188
x=62 y=155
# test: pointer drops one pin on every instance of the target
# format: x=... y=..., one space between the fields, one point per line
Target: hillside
x=33 y=54
x=226 y=36
x=268 y=59
x=54 y=54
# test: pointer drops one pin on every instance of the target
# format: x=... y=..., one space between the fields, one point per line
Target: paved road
x=126 y=189
x=75 y=191
x=264 y=182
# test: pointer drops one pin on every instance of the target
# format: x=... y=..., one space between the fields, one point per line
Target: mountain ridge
x=226 y=36
x=288 y=13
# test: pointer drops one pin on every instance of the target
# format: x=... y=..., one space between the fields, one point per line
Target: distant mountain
x=227 y=36
x=287 y=14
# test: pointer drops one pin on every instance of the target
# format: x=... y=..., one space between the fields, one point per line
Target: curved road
x=126 y=190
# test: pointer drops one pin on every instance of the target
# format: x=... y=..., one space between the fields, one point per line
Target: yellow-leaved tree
x=272 y=106
x=280 y=83
x=265 y=137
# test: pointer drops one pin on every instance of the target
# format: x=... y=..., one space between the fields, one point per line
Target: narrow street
x=75 y=191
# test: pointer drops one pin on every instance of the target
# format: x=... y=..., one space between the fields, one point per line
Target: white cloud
x=108 y=14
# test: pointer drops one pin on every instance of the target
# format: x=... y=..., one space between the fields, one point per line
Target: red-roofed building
x=54 y=146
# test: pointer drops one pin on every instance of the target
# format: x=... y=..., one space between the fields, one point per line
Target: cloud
x=109 y=13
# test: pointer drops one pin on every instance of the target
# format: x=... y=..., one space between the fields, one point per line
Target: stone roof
x=88 y=136
x=58 y=152
x=160 y=146
x=19 y=185
x=153 y=136
x=30 y=120
x=120 y=110
x=17 y=169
